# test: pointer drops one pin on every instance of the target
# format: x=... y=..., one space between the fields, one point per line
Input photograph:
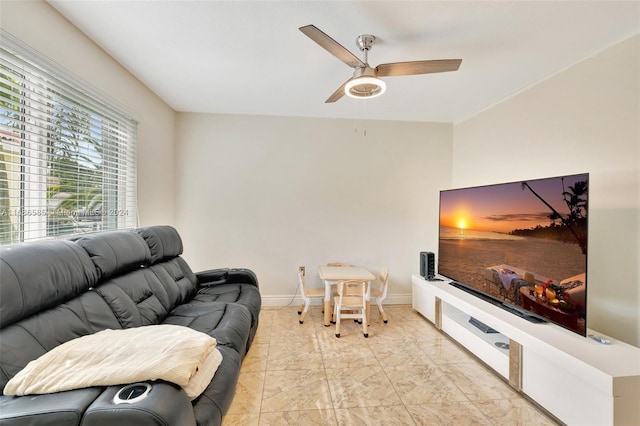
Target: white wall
x=42 y=28
x=583 y=119
x=273 y=193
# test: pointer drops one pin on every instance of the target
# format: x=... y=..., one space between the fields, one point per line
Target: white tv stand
x=578 y=380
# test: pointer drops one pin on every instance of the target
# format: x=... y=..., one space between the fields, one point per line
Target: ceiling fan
x=365 y=82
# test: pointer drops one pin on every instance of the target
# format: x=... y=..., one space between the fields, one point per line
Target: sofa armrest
x=62 y=408
x=165 y=404
x=214 y=277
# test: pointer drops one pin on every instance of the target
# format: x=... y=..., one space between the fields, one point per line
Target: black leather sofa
x=53 y=291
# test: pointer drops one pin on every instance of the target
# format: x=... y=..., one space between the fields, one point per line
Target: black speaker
x=427 y=265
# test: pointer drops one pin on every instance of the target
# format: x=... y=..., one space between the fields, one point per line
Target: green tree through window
x=67 y=156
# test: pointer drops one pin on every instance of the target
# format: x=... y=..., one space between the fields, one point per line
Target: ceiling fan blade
x=418 y=67
x=338 y=93
x=332 y=46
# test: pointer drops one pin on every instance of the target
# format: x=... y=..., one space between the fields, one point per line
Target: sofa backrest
x=114 y=253
x=165 y=246
x=135 y=294
x=142 y=277
x=45 y=300
x=40 y=275
x=164 y=242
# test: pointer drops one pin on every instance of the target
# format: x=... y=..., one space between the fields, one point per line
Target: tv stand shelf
x=577 y=379
x=456 y=324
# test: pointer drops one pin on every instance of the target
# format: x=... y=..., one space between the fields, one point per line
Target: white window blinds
x=67 y=155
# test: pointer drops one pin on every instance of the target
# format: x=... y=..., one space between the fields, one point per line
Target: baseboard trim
x=392 y=299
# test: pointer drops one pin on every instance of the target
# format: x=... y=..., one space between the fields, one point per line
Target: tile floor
x=405 y=373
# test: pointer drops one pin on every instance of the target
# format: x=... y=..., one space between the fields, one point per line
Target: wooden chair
x=307 y=294
x=380 y=294
x=351 y=303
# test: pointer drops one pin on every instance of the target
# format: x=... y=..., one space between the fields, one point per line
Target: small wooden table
x=332 y=274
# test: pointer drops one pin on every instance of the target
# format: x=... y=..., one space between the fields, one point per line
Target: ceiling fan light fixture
x=365 y=87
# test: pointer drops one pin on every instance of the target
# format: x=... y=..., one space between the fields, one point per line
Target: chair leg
x=365 y=325
x=382 y=314
x=305 y=310
x=300 y=309
x=337 y=322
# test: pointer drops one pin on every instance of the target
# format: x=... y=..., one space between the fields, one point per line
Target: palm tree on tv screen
x=576 y=221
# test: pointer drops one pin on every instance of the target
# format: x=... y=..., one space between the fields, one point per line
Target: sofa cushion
x=40 y=275
x=30 y=338
x=164 y=242
x=247 y=295
x=137 y=298
x=114 y=253
x=228 y=323
x=176 y=276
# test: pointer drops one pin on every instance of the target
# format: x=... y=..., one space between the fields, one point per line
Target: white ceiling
x=248 y=57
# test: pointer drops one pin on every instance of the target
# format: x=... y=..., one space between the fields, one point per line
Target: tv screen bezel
x=506 y=305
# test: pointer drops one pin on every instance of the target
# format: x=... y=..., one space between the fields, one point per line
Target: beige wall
x=42 y=28
x=273 y=193
x=584 y=119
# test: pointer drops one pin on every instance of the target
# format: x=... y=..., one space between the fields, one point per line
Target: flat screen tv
x=521 y=245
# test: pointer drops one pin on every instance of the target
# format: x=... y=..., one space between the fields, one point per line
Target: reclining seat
x=40 y=308
x=141 y=292
x=232 y=287
x=140 y=295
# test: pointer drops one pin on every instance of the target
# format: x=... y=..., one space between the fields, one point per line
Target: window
x=67 y=155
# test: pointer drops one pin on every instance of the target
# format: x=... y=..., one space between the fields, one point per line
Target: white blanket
x=173 y=353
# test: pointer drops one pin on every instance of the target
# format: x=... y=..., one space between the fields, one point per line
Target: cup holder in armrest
x=130 y=394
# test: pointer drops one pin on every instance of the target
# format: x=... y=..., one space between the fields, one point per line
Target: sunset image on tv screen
x=523 y=242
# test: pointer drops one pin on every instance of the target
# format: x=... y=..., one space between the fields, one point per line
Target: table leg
x=368 y=311
x=328 y=312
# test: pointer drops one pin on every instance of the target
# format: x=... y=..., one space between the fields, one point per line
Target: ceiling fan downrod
x=365 y=43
